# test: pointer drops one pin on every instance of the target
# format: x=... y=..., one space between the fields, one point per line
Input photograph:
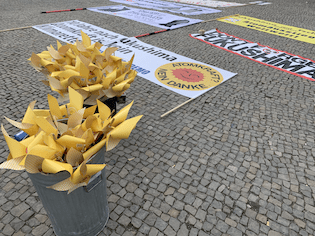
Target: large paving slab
x=238 y=160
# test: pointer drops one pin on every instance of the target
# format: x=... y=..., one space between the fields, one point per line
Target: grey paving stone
x=136 y=222
x=150 y=220
x=144 y=229
x=234 y=231
x=40 y=230
x=194 y=232
x=250 y=213
x=174 y=223
x=169 y=231
x=189 y=198
x=8 y=230
x=183 y=230
x=182 y=216
x=17 y=224
x=283 y=221
x=7 y=218
x=160 y=224
x=191 y=220
x=26 y=229
x=142 y=214
x=124 y=220
x=222 y=226
x=178 y=205
x=244 y=220
x=153 y=232
x=261 y=218
x=201 y=215
x=19 y=233
x=253 y=226
x=274 y=233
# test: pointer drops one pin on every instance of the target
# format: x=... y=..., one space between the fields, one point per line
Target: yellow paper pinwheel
x=64 y=138
x=83 y=67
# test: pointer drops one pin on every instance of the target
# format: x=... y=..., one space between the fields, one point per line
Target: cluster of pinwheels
x=83 y=67
x=63 y=138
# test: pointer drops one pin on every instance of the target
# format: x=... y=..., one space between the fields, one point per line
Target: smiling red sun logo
x=188 y=75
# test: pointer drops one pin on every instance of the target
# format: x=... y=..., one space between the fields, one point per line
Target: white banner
x=169 y=6
x=180 y=74
x=70 y=31
x=210 y=3
x=154 y=18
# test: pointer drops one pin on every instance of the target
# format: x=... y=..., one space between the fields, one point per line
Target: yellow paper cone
x=70 y=141
x=13 y=164
x=90 y=152
x=89 y=137
x=123 y=130
x=22 y=126
x=89 y=111
x=27 y=141
x=93 y=88
x=50 y=142
x=121 y=115
x=49 y=166
x=55 y=54
x=46 y=126
x=85 y=39
x=75 y=119
x=54 y=106
x=43 y=151
x=103 y=110
x=29 y=114
x=74 y=157
x=121 y=86
x=38 y=139
x=76 y=100
x=33 y=164
x=111 y=143
x=65 y=74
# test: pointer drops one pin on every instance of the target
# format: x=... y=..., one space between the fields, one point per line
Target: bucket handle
x=94 y=181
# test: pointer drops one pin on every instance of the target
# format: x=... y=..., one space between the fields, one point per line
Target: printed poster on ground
x=169 y=6
x=177 y=73
x=154 y=18
x=270 y=27
x=265 y=55
x=210 y=3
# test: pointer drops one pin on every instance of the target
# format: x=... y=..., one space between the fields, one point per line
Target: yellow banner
x=287 y=31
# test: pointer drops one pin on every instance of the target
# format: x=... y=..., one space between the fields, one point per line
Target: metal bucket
x=83 y=212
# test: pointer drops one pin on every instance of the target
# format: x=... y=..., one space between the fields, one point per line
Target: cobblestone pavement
x=238 y=160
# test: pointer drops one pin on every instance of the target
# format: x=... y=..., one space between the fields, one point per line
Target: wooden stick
x=175 y=108
x=77 y=9
x=16 y=28
x=155 y=32
x=26 y=27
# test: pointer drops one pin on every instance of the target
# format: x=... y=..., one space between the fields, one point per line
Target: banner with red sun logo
x=188 y=76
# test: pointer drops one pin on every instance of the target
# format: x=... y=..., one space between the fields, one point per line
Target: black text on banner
x=277 y=59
